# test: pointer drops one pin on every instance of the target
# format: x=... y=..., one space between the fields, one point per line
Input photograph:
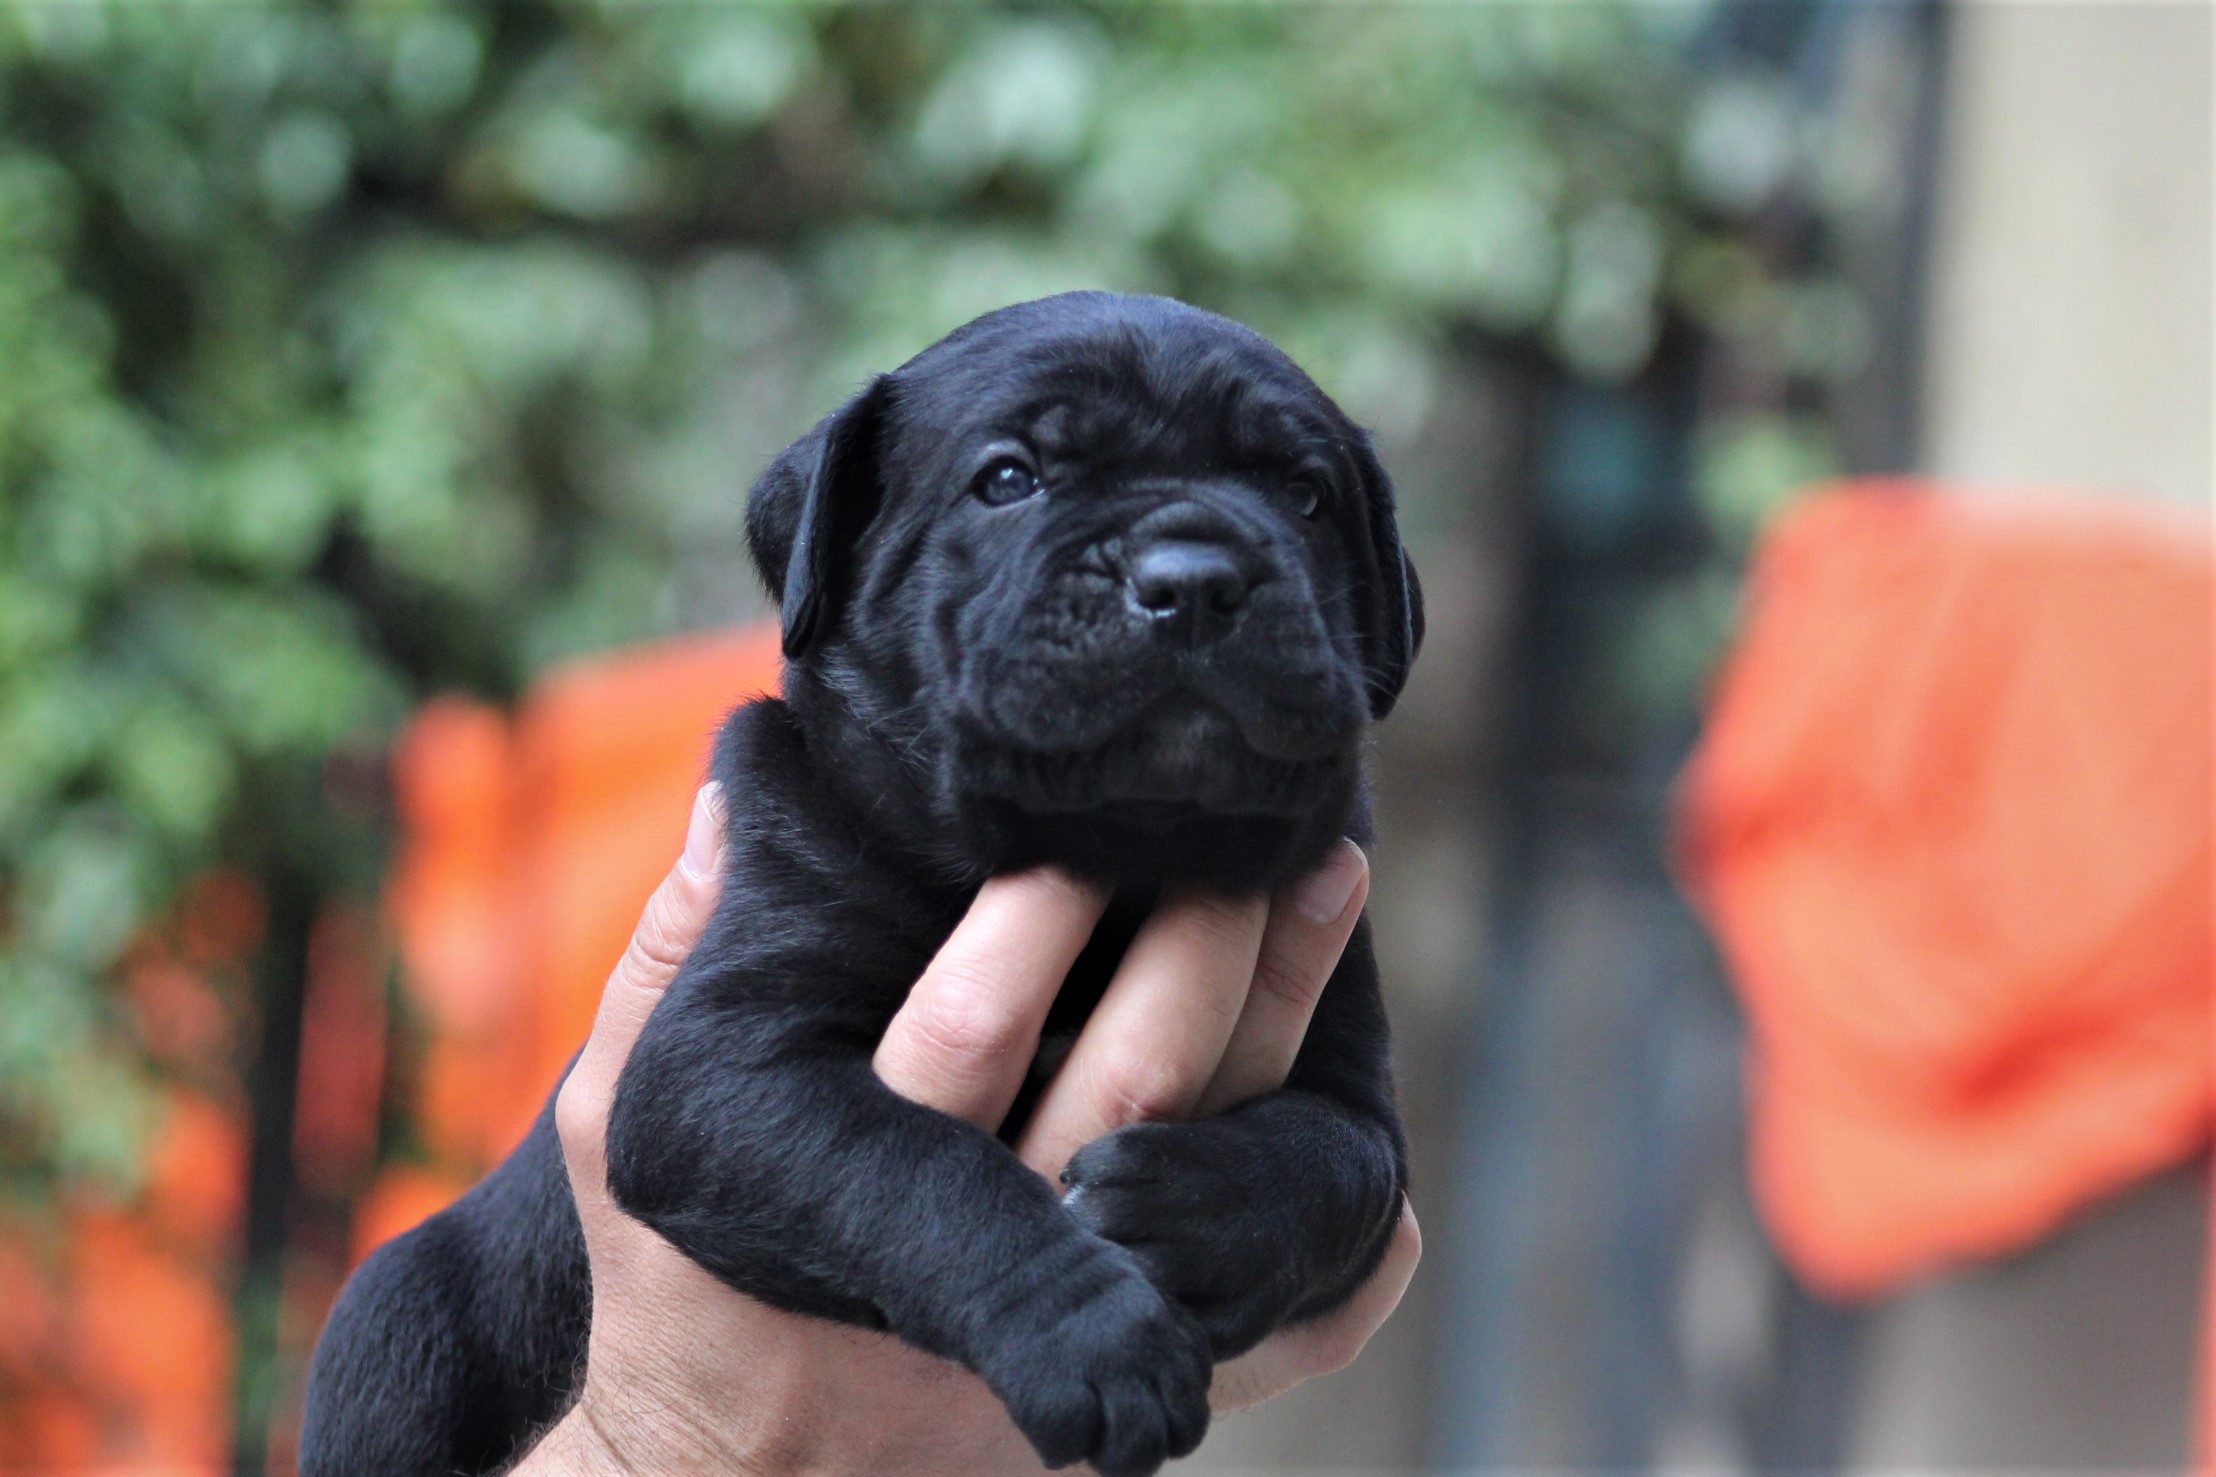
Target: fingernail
x=704 y=834
x=1322 y=895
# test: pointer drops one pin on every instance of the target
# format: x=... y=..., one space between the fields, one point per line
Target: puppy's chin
x=1181 y=759
x=1174 y=795
x=1181 y=753
x=1135 y=845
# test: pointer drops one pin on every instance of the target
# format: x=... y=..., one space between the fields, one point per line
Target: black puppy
x=1100 y=581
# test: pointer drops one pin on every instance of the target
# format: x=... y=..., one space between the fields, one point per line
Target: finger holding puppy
x=1208 y=1009
x=964 y=1038
x=1153 y=1043
x=670 y=925
x=1309 y=924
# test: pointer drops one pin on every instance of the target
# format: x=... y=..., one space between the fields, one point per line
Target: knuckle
x=580 y=1117
x=962 y=1013
x=658 y=945
x=639 y=965
x=1281 y=979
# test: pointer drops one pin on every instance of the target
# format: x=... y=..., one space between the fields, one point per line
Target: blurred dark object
x=1618 y=1307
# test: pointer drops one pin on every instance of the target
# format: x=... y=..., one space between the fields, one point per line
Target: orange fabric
x=529 y=845
x=115 y=1337
x=1950 y=821
x=151 y=1334
x=115 y=1343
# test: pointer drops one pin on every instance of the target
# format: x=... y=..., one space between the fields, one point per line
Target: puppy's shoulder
x=803 y=874
x=774 y=794
x=759 y=750
x=786 y=816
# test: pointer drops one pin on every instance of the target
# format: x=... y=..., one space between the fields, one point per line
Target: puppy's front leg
x=771 y=1153
x=1278 y=1210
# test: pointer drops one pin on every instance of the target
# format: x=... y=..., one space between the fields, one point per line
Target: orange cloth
x=84 y=1388
x=529 y=845
x=1950 y=821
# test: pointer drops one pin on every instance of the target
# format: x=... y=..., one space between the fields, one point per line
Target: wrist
x=572 y=1447
x=600 y=1439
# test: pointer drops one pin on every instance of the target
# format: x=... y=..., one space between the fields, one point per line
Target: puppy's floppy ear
x=1392 y=603
x=811 y=505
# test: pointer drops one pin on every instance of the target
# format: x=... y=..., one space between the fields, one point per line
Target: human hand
x=1207 y=1010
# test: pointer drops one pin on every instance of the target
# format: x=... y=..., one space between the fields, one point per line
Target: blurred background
x=379 y=386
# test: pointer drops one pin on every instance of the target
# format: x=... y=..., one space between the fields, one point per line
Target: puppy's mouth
x=1181 y=758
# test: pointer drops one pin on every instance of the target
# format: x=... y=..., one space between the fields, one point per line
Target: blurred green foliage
x=349 y=352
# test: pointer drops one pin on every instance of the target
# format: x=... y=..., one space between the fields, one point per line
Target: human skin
x=1207 y=1010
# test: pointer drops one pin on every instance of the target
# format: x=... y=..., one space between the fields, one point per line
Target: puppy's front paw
x=1118 y=1378
x=1178 y=1196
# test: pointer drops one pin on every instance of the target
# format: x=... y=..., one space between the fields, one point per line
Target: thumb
x=674 y=918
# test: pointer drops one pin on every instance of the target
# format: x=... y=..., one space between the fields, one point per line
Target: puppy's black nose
x=1188 y=589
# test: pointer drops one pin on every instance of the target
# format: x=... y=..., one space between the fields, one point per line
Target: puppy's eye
x=1308 y=494
x=1005 y=481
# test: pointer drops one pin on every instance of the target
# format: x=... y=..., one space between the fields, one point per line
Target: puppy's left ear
x=1392 y=606
x=809 y=508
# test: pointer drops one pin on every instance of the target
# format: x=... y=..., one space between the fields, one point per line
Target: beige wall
x=2070 y=346
x=2071 y=307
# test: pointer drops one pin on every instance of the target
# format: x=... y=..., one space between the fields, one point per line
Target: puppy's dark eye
x=1005 y=481
x=1308 y=496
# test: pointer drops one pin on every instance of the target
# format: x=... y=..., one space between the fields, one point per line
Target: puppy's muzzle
x=1187 y=570
x=1190 y=593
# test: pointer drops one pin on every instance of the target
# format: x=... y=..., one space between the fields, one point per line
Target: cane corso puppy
x=1100 y=581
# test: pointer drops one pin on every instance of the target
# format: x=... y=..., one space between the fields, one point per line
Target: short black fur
x=1159 y=667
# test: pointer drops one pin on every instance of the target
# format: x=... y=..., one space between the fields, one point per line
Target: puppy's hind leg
x=455 y=1345
x=391 y=1387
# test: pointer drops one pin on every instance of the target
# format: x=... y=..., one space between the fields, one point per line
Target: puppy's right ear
x=810 y=507
x=1393 y=601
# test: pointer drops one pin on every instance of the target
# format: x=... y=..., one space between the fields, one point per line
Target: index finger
x=1153 y=1042
x=964 y=1038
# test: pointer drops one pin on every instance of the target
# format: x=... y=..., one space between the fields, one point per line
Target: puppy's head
x=1096 y=579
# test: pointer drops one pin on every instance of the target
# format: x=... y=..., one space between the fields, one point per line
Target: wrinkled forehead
x=1187 y=394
